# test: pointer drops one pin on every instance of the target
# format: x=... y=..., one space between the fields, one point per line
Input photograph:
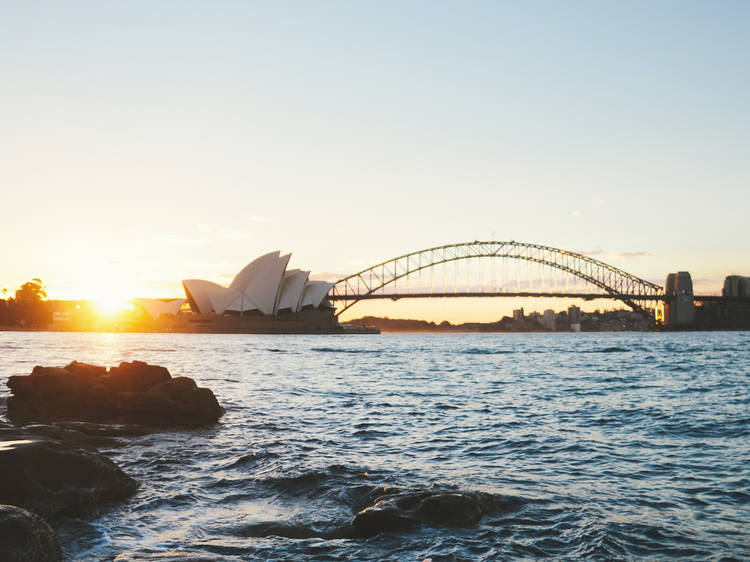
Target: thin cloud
x=576 y=213
x=632 y=255
x=589 y=252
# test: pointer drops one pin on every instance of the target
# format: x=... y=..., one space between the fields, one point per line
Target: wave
x=612 y=349
x=250 y=458
x=484 y=351
x=343 y=350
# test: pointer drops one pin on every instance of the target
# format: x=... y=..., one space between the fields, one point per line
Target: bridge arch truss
x=374 y=282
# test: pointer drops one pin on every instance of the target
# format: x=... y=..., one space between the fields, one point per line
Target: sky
x=142 y=143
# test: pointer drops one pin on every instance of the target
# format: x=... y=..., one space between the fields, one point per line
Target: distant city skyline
x=144 y=143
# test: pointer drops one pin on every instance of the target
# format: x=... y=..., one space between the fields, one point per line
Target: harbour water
x=596 y=445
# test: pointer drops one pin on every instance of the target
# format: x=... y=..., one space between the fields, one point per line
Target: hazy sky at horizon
x=146 y=142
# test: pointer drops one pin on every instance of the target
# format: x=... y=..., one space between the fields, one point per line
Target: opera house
x=263 y=287
x=264 y=297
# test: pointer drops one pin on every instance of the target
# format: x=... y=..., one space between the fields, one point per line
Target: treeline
x=28 y=308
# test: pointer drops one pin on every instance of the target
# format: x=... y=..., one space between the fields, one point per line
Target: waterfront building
x=736 y=286
x=549 y=319
x=574 y=318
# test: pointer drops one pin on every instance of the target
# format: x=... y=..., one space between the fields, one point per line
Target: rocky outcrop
x=26 y=537
x=53 y=478
x=131 y=393
x=403 y=510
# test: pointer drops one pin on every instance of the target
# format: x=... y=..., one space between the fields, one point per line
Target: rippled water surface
x=605 y=445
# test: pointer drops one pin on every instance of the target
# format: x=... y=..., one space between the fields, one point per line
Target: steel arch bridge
x=376 y=281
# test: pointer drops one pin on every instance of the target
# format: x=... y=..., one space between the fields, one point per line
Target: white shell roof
x=200 y=291
x=292 y=288
x=251 y=270
x=264 y=287
x=315 y=292
x=263 y=284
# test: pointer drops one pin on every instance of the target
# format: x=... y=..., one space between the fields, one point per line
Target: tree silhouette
x=31 y=292
x=30 y=304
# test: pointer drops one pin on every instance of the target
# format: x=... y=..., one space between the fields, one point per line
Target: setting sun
x=111 y=304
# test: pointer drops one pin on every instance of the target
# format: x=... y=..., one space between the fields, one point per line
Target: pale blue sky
x=153 y=141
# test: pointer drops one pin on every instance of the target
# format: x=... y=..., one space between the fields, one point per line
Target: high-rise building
x=736 y=286
x=549 y=319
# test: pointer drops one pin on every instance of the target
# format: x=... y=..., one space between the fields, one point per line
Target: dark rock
x=44 y=371
x=172 y=403
x=47 y=394
x=400 y=511
x=52 y=478
x=86 y=370
x=137 y=376
x=174 y=388
x=133 y=393
x=393 y=510
x=26 y=537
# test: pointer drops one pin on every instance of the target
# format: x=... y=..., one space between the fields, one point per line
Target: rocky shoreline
x=48 y=455
x=131 y=393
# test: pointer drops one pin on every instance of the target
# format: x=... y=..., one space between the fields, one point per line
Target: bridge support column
x=680 y=307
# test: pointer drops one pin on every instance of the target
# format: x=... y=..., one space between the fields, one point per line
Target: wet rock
x=85 y=370
x=53 y=478
x=136 y=376
x=131 y=393
x=402 y=510
x=26 y=537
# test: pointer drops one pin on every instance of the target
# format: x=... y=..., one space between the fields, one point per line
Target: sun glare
x=111 y=305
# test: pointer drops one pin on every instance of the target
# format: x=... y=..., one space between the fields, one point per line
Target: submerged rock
x=53 y=478
x=131 y=393
x=402 y=510
x=26 y=537
x=392 y=510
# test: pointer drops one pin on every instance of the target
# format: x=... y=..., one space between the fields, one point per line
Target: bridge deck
x=584 y=296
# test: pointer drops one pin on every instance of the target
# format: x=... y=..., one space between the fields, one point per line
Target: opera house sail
x=264 y=296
